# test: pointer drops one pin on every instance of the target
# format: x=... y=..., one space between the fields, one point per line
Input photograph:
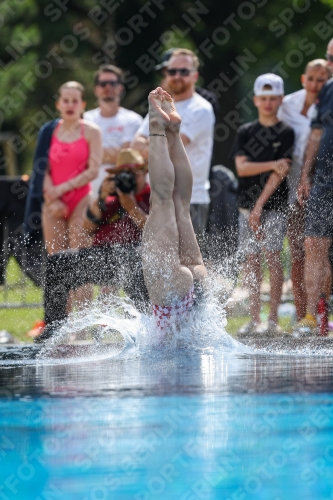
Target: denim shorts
x=319 y=213
x=274 y=226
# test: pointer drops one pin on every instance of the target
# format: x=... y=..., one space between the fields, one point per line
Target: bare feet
x=169 y=107
x=158 y=118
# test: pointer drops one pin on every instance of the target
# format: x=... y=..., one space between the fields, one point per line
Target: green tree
x=47 y=42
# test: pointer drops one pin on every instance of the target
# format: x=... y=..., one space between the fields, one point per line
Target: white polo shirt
x=116 y=130
x=198 y=125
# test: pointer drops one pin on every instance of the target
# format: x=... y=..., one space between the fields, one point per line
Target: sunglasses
x=329 y=57
x=113 y=83
x=181 y=71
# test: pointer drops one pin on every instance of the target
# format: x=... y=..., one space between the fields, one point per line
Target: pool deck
x=284 y=342
x=288 y=343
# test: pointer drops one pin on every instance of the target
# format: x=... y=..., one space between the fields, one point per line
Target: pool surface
x=185 y=425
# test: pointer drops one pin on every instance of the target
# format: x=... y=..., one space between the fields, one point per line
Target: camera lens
x=125 y=181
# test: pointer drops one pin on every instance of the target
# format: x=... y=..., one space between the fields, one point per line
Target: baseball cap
x=271 y=79
x=166 y=56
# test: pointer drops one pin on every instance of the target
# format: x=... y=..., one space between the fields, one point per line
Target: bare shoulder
x=91 y=130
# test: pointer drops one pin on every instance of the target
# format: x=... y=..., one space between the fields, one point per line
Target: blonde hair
x=318 y=63
x=189 y=53
x=72 y=85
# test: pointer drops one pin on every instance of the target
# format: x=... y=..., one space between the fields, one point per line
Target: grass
x=19 y=320
x=234 y=324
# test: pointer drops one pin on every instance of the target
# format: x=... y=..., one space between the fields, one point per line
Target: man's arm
x=310 y=158
x=270 y=187
x=247 y=168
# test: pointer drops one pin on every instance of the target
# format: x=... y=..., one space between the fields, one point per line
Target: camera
x=125 y=181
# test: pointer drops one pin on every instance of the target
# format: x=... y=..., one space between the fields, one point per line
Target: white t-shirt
x=290 y=113
x=116 y=130
x=198 y=125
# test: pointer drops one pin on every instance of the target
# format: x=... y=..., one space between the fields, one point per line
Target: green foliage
x=18 y=321
x=47 y=42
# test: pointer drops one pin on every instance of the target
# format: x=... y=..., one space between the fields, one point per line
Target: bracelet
x=159 y=135
x=90 y=216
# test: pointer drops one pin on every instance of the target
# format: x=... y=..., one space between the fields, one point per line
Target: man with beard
x=118 y=124
x=206 y=94
x=196 y=131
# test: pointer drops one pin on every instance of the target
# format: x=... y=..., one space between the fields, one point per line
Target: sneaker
x=268 y=329
x=307 y=327
x=247 y=330
x=37 y=329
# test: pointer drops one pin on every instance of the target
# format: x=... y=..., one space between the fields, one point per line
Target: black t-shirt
x=261 y=144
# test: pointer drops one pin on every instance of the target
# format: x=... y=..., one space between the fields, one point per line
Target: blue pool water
x=187 y=426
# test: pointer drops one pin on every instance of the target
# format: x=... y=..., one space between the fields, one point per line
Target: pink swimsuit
x=167 y=316
x=67 y=160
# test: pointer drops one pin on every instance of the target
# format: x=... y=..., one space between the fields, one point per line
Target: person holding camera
x=115 y=220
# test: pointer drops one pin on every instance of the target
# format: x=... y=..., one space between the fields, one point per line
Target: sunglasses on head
x=329 y=57
x=113 y=83
x=181 y=71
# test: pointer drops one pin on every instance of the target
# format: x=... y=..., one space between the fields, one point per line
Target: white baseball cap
x=274 y=81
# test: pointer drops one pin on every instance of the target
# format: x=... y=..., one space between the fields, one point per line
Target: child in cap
x=262 y=153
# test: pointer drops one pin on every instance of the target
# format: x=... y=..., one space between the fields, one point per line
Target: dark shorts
x=319 y=213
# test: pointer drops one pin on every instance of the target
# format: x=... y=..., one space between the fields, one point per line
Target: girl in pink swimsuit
x=74 y=158
x=171 y=257
x=66 y=161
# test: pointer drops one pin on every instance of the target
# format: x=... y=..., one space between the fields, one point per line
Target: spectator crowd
x=90 y=189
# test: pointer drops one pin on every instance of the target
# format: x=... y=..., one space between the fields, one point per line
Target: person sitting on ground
x=262 y=153
x=115 y=220
x=171 y=258
x=297 y=110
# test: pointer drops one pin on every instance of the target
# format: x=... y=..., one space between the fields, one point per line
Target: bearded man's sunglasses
x=181 y=71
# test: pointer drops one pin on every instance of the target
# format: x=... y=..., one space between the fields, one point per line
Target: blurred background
x=47 y=42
